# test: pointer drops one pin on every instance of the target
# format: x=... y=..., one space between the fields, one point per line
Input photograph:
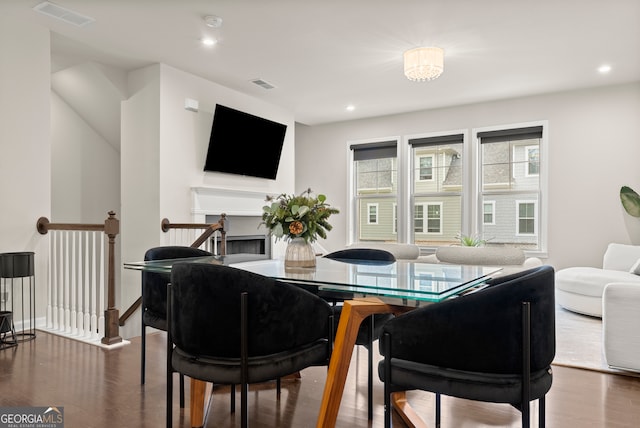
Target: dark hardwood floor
x=100 y=388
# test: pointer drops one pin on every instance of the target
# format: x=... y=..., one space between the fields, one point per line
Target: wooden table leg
x=406 y=412
x=196 y=404
x=353 y=312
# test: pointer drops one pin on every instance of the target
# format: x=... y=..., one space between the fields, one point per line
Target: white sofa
x=400 y=251
x=620 y=325
x=580 y=289
x=510 y=259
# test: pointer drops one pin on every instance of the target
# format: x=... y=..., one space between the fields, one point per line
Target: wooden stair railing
x=111 y=228
x=209 y=230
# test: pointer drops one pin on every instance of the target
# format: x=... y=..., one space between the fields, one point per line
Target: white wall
x=25 y=152
x=594 y=149
x=85 y=169
x=184 y=138
x=163 y=149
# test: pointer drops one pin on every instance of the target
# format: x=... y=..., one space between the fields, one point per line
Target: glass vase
x=299 y=254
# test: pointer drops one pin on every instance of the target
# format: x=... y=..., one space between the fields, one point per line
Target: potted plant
x=630 y=201
x=470 y=240
x=300 y=219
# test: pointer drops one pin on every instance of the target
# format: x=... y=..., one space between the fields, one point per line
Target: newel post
x=111 y=334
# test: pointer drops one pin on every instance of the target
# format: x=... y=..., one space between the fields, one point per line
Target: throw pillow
x=635 y=268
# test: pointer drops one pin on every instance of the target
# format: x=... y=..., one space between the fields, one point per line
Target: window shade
x=442 y=139
x=510 y=134
x=380 y=150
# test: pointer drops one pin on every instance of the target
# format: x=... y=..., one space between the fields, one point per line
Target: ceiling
x=324 y=55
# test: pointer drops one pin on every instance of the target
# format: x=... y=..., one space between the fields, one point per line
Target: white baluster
x=94 y=279
x=64 y=321
x=87 y=286
x=50 y=282
x=73 y=285
x=101 y=329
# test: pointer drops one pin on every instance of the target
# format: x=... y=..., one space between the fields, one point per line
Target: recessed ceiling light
x=351 y=107
x=604 y=69
x=208 y=41
x=213 y=21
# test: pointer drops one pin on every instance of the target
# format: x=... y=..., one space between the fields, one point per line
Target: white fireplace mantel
x=215 y=201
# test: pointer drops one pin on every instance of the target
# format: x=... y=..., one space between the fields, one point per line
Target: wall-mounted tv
x=244 y=144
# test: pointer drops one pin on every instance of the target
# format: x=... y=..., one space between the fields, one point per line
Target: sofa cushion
x=499 y=256
x=590 y=281
x=620 y=256
x=635 y=269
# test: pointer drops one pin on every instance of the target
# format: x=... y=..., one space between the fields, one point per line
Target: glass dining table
x=366 y=288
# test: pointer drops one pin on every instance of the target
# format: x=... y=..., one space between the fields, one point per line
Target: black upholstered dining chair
x=230 y=326
x=370 y=328
x=494 y=345
x=154 y=297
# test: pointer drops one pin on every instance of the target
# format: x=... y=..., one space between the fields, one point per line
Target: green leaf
x=277 y=230
x=302 y=210
x=630 y=201
x=322 y=198
x=294 y=209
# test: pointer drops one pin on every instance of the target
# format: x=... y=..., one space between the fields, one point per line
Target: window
x=510 y=186
x=437 y=188
x=434 y=218
x=489 y=212
x=418 y=219
x=375 y=189
x=426 y=168
x=395 y=218
x=526 y=218
x=533 y=160
x=429 y=214
x=372 y=217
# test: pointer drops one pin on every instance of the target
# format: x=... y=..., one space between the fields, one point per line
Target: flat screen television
x=244 y=144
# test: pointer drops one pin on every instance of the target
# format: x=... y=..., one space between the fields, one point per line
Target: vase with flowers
x=300 y=219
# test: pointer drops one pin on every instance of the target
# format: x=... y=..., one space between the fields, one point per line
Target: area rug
x=579 y=343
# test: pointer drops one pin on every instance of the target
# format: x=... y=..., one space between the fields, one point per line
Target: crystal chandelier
x=422 y=64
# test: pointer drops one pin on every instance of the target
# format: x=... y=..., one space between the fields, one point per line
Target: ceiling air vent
x=66 y=15
x=263 y=84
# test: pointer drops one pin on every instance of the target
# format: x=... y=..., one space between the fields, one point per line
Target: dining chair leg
x=244 y=411
x=181 y=391
x=438 y=407
x=541 y=413
x=233 y=397
x=244 y=359
x=143 y=347
x=370 y=370
x=387 y=381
